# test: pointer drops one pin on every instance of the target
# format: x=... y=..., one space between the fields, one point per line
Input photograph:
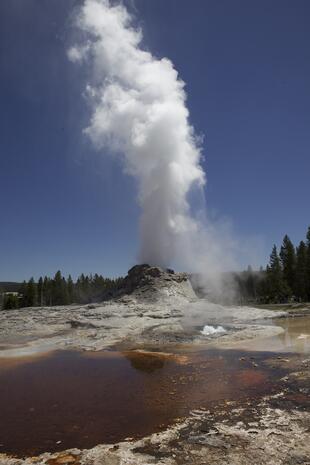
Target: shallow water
x=294 y=338
x=296 y=335
x=73 y=399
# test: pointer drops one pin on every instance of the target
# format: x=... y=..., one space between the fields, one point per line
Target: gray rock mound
x=151 y=283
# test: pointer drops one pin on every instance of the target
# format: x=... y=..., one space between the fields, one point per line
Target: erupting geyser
x=139 y=111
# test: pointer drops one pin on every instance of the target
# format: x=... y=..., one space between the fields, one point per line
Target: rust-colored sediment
x=250 y=377
x=73 y=399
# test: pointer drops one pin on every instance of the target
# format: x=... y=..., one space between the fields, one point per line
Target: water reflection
x=79 y=400
x=145 y=362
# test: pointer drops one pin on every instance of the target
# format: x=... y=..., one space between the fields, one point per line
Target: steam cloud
x=139 y=112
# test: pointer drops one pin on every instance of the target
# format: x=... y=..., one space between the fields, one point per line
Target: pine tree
x=301 y=272
x=64 y=292
x=83 y=289
x=250 y=283
x=59 y=290
x=40 y=292
x=288 y=261
x=277 y=288
x=263 y=287
x=308 y=265
x=47 y=291
x=70 y=289
x=10 y=302
x=29 y=292
x=23 y=291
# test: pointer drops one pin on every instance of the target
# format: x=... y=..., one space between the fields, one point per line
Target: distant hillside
x=7 y=286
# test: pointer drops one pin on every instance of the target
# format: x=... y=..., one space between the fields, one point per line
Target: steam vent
x=151 y=283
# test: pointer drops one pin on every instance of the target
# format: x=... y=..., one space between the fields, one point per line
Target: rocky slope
x=152 y=284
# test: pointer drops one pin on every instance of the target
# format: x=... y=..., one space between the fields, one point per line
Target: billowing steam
x=139 y=112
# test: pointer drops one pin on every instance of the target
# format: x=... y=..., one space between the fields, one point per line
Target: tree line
x=285 y=279
x=61 y=291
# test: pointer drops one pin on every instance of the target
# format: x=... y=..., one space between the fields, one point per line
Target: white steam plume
x=139 y=112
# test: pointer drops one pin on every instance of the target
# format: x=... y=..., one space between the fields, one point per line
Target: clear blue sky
x=247 y=68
